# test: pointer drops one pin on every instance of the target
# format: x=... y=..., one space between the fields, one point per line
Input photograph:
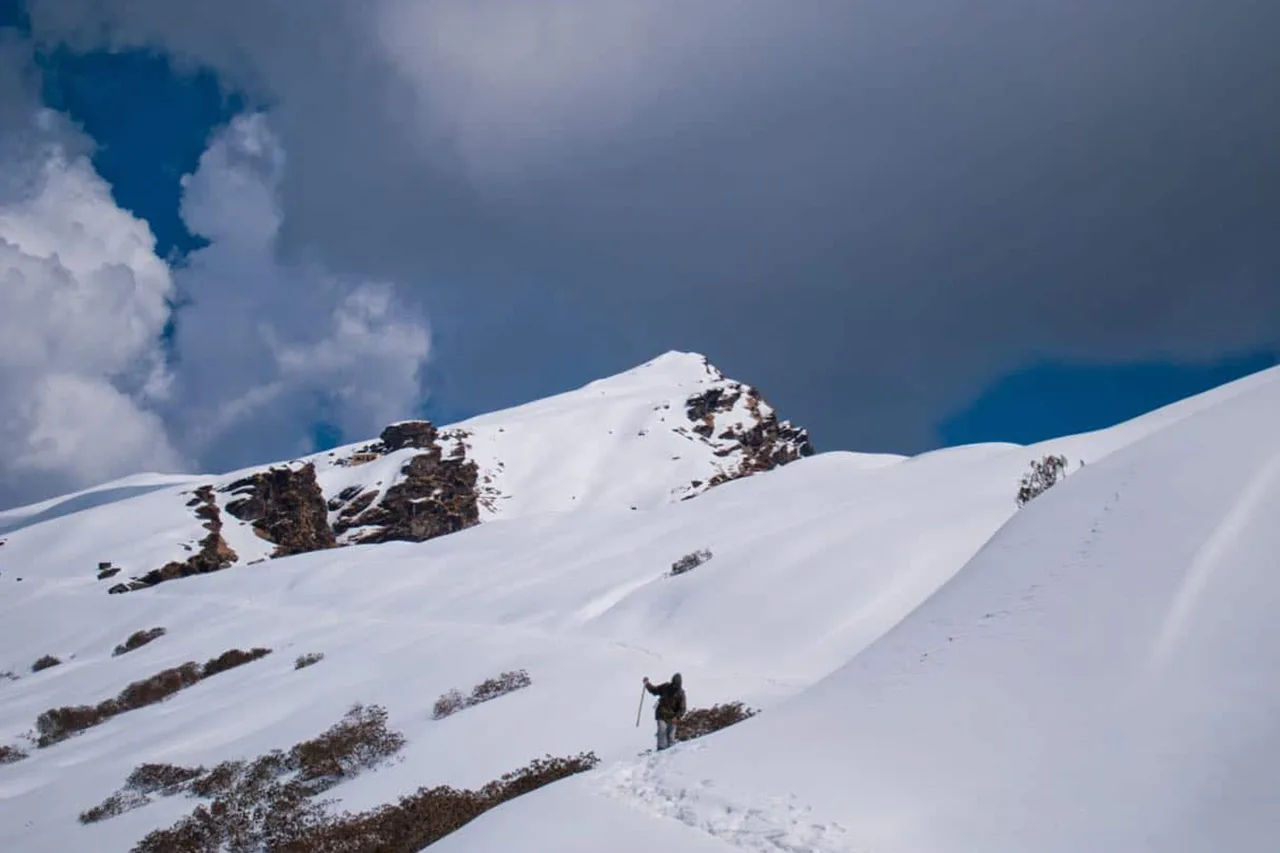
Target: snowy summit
x=880 y=654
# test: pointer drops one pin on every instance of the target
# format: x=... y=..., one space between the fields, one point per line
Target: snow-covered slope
x=1100 y=676
x=667 y=430
x=937 y=670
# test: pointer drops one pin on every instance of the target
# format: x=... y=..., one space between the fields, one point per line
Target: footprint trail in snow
x=765 y=825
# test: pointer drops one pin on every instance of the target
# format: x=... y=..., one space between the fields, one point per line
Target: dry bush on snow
x=307 y=660
x=137 y=640
x=1044 y=474
x=690 y=561
x=44 y=663
x=448 y=703
x=11 y=754
x=491 y=688
x=116 y=804
x=166 y=779
x=58 y=724
x=9 y=675
x=158 y=687
x=703 y=721
x=231 y=659
x=430 y=814
x=269 y=803
x=359 y=741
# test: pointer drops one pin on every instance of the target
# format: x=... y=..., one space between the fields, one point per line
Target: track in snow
x=771 y=825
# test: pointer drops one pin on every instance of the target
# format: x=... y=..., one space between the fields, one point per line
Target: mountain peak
x=664 y=431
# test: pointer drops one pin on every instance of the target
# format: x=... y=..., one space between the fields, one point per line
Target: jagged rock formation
x=214 y=554
x=285 y=506
x=436 y=496
x=745 y=430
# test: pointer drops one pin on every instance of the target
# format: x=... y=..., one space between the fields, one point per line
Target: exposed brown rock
x=437 y=495
x=420 y=434
x=285 y=506
x=214 y=554
x=347 y=517
x=761 y=444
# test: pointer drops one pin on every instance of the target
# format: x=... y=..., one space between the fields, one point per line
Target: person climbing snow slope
x=670 y=708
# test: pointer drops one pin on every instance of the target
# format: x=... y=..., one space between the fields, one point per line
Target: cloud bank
x=869 y=209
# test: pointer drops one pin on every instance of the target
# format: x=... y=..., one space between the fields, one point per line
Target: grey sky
x=869 y=209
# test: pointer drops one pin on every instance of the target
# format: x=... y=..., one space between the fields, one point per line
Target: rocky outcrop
x=436 y=496
x=285 y=506
x=420 y=434
x=213 y=555
x=745 y=431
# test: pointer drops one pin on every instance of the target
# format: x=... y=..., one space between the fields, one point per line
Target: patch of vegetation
x=690 y=561
x=231 y=659
x=45 y=663
x=307 y=660
x=429 y=814
x=269 y=803
x=58 y=724
x=137 y=640
x=453 y=701
x=167 y=779
x=703 y=721
x=146 y=779
x=359 y=741
x=116 y=804
x=262 y=804
x=1044 y=474
x=11 y=755
x=9 y=675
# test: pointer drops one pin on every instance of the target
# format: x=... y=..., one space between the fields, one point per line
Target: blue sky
x=502 y=250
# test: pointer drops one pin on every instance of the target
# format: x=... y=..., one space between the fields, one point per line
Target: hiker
x=670 y=708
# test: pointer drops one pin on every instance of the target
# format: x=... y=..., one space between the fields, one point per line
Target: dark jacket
x=671 y=702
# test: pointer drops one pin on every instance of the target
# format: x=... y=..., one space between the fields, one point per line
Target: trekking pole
x=640 y=710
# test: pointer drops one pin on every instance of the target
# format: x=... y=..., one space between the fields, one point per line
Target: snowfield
x=937 y=670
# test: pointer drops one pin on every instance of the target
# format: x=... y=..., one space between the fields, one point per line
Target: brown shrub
x=218 y=780
x=426 y=816
x=11 y=755
x=116 y=804
x=359 y=741
x=255 y=807
x=44 y=663
x=57 y=724
x=230 y=659
x=166 y=779
x=491 y=688
x=703 y=721
x=307 y=660
x=158 y=687
x=690 y=561
x=9 y=675
x=137 y=640
x=535 y=774
x=1045 y=473
x=448 y=703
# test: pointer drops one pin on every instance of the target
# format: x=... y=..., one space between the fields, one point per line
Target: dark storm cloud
x=869 y=209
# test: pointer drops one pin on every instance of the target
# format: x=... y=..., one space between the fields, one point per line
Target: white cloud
x=269 y=346
x=82 y=307
x=91 y=390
